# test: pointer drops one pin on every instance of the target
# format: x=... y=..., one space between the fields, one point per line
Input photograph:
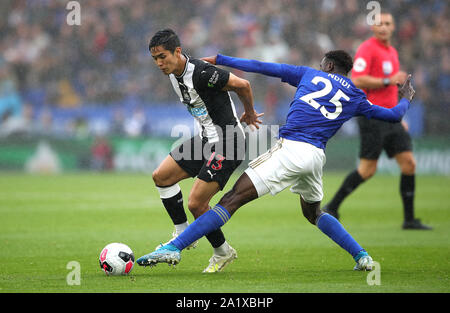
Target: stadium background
x=89 y=97
x=63 y=88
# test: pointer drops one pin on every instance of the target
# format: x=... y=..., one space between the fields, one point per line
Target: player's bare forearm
x=246 y=96
x=371 y=82
x=243 y=89
x=368 y=82
x=250 y=116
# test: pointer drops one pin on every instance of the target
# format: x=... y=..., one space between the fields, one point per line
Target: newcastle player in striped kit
x=216 y=152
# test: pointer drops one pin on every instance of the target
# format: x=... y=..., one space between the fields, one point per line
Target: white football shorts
x=289 y=163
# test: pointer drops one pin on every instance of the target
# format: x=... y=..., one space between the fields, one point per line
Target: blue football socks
x=333 y=229
x=218 y=216
x=206 y=223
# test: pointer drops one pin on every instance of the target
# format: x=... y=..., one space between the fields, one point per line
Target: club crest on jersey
x=387 y=67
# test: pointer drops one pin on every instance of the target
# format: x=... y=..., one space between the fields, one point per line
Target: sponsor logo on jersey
x=198 y=111
x=213 y=80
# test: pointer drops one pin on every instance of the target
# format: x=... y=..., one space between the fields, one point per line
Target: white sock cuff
x=223 y=249
x=179 y=228
x=168 y=192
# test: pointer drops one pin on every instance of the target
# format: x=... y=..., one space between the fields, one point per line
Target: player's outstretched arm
x=246 y=65
x=288 y=73
x=396 y=113
x=254 y=66
x=243 y=89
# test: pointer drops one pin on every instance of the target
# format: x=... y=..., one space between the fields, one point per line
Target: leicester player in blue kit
x=324 y=100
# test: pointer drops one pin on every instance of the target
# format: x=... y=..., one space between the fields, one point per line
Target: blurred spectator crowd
x=46 y=64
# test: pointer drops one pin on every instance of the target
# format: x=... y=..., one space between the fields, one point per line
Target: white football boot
x=365 y=263
x=218 y=262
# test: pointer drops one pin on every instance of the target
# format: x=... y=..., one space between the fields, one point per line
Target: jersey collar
x=185 y=66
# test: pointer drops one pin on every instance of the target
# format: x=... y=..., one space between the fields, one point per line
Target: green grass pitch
x=48 y=221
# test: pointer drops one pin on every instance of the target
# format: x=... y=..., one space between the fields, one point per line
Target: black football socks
x=172 y=200
x=351 y=182
x=407 y=189
x=175 y=209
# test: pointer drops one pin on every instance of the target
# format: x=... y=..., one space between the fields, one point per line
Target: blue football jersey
x=322 y=103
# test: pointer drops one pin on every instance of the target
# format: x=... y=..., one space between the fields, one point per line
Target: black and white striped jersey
x=200 y=89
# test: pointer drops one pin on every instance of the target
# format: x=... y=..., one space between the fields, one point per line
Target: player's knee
x=408 y=166
x=197 y=207
x=368 y=175
x=311 y=216
x=367 y=172
x=157 y=179
x=311 y=211
x=193 y=205
x=160 y=179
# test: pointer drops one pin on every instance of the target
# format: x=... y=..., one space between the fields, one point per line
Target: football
x=116 y=259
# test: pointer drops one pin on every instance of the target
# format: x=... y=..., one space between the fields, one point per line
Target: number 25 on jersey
x=328 y=87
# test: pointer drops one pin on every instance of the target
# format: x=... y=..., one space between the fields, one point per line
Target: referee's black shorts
x=211 y=161
x=376 y=136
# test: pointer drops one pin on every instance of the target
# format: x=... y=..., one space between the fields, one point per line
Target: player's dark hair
x=166 y=38
x=341 y=59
